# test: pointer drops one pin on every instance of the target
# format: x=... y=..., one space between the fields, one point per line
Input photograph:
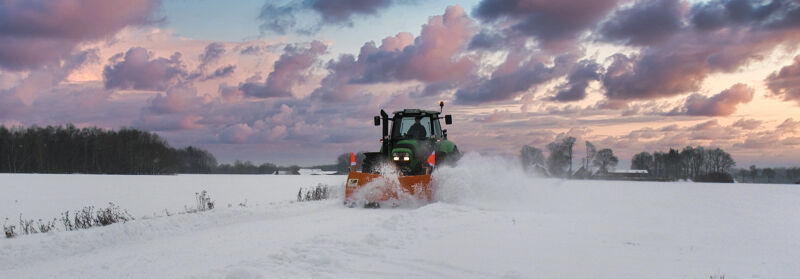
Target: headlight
x=401 y=156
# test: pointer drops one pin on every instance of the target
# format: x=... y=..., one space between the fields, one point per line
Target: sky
x=297 y=82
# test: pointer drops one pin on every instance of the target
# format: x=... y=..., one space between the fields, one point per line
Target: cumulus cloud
x=433 y=57
x=136 y=70
x=175 y=100
x=547 y=21
x=179 y=108
x=679 y=63
x=34 y=33
x=237 y=133
x=786 y=82
x=282 y=18
x=644 y=23
x=505 y=84
x=290 y=69
x=16 y=101
x=578 y=80
x=722 y=104
x=718 y=14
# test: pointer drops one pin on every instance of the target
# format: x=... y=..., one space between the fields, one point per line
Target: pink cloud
x=290 y=70
x=432 y=57
x=722 y=104
x=41 y=32
x=786 y=82
x=139 y=70
x=237 y=133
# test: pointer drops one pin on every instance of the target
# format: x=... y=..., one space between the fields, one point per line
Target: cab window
x=405 y=124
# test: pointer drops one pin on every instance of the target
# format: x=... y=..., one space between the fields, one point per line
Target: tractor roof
x=412 y=112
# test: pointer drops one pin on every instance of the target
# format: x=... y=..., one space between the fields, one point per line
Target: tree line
x=769 y=175
x=92 y=150
x=696 y=163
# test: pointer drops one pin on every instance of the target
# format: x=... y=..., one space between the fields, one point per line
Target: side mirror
x=448 y=119
x=377 y=120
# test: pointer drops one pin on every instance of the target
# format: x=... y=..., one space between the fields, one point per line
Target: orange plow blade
x=373 y=188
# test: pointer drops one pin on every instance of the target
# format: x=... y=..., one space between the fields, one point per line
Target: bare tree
x=753 y=172
x=531 y=157
x=769 y=173
x=605 y=159
x=743 y=173
x=591 y=151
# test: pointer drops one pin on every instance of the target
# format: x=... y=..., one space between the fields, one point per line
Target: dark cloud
x=221 y=72
x=682 y=64
x=722 y=104
x=212 y=53
x=718 y=14
x=786 y=82
x=644 y=23
x=34 y=33
x=505 y=85
x=486 y=40
x=290 y=69
x=336 y=87
x=251 y=50
x=282 y=18
x=547 y=21
x=577 y=81
x=136 y=70
x=679 y=63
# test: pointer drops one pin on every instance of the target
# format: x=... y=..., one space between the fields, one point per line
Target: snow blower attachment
x=411 y=148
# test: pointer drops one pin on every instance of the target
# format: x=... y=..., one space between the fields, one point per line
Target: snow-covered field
x=490 y=221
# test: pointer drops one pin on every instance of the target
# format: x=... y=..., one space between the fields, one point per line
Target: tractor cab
x=412 y=137
x=425 y=125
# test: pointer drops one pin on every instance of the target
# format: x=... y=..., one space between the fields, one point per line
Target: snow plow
x=411 y=147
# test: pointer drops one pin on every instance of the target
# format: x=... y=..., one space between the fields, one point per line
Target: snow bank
x=48 y=195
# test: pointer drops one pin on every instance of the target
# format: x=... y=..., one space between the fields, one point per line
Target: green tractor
x=414 y=144
x=414 y=135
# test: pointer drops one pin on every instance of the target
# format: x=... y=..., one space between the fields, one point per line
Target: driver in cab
x=416 y=131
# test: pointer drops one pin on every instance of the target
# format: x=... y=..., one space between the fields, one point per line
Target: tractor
x=411 y=148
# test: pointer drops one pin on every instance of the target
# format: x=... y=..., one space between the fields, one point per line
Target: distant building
x=635 y=175
x=315 y=172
